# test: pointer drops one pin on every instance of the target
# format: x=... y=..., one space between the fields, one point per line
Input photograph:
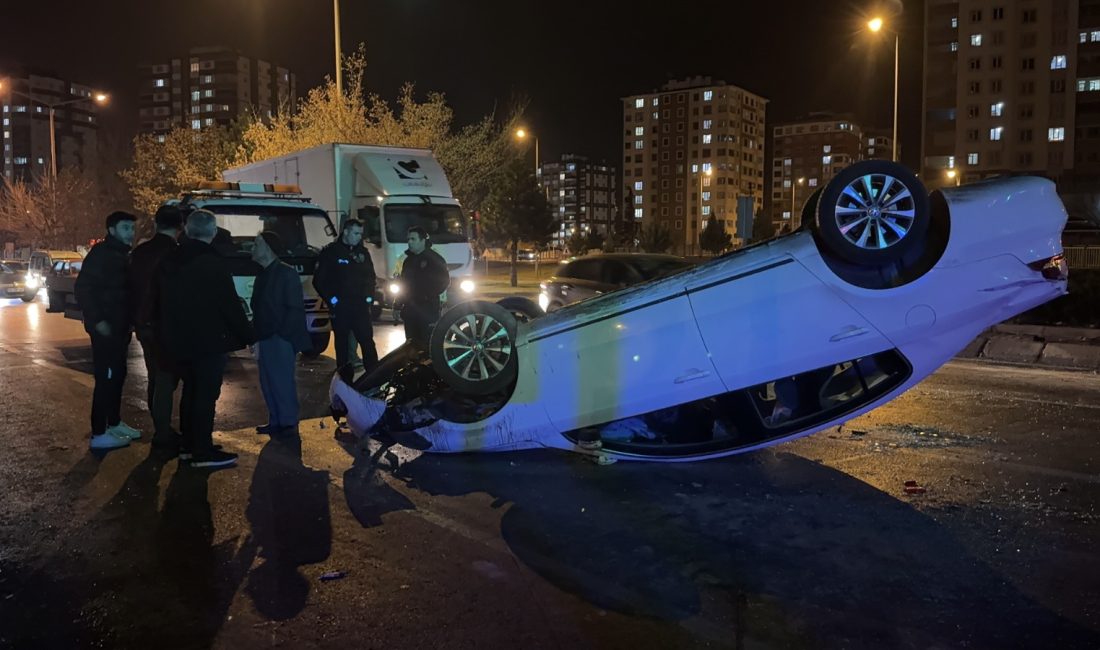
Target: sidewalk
x=1055 y=347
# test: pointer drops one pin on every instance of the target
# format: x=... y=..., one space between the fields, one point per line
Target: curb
x=1033 y=345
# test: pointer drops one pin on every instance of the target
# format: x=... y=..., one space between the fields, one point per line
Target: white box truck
x=389 y=189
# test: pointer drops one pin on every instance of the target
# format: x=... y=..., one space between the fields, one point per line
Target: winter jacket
x=198 y=312
x=143 y=263
x=424 y=276
x=278 y=306
x=101 y=288
x=345 y=273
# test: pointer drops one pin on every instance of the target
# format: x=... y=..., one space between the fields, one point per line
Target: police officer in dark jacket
x=424 y=277
x=102 y=294
x=199 y=319
x=143 y=263
x=345 y=280
x=279 y=316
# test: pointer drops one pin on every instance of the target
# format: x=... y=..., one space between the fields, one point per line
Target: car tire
x=319 y=341
x=522 y=309
x=872 y=213
x=56 y=301
x=459 y=354
x=809 y=210
x=29 y=297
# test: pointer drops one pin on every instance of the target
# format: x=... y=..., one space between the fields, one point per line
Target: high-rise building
x=582 y=196
x=690 y=150
x=26 y=124
x=211 y=85
x=1010 y=86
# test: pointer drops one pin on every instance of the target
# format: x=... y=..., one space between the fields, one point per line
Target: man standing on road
x=143 y=264
x=424 y=277
x=279 y=316
x=345 y=280
x=102 y=295
x=200 y=319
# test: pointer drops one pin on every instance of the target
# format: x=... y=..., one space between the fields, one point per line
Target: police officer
x=345 y=280
x=424 y=277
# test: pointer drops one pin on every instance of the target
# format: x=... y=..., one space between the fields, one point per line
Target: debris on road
x=911 y=487
x=333 y=575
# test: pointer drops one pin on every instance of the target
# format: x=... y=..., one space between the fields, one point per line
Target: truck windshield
x=445 y=224
x=301 y=230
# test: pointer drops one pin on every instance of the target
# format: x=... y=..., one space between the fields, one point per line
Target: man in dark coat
x=345 y=280
x=102 y=295
x=424 y=277
x=143 y=264
x=279 y=317
x=199 y=320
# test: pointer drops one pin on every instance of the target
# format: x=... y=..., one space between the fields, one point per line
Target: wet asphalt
x=811 y=544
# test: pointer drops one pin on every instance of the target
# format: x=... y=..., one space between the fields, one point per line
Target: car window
x=4 y=268
x=650 y=268
x=583 y=270
x=617 y=273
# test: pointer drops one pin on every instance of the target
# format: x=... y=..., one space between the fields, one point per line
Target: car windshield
x=301 y=230
x=445 y=224
x=656 y=267
x=13 y=267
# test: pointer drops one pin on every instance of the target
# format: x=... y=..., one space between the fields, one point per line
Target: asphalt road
x=812 y=544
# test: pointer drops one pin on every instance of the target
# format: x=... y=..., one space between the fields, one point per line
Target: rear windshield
x=301 y=230
x=445 y=224
x=650 y=268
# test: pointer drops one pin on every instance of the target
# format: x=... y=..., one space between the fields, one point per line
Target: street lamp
x=99 y=98
x=339 y=63
x=876 y=25
x=523 y=134
x=953 y=175
x=801 y=180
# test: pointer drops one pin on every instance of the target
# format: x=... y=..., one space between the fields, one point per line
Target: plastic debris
x=911 y=487
x=333 y=575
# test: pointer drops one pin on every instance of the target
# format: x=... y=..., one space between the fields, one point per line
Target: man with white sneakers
x=102 y=295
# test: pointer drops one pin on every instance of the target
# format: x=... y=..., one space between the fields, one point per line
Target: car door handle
x=848 y=332
x=694 y=374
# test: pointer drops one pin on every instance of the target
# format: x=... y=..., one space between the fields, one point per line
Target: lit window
x=639 y=130
x=195 y=95
x=638 y=200
x=786 y=183
x=786 y=162
x=996 y=110
x=708 y=95
x=827 y=148
x=695 y=169
x=706 y=210
x=20 y=109
x=196 y=124
x=160 y=138
x=706 y=125
x=639 y=103
x=37 y=109
x=1058 y=62
x=786 y=214
x=706 y=138
x=954 y=22
x=813 y=182
x=1094 y=36
x=976 y=40
x=951 y=162
x=41 y=161
x=954 y=46
x=208 y=79
x=638 y=185
x=208 y=93
x=706 y=167
x=638 y=144
x=159 y=83
x=1084 y=37
x=654 y=102
x=825 y=160
x=638 y=212
x=20 y=160
x=195 y=66
x=655 y=116
x=706 y=196
x=996 y=132
x=972 y=159
x=1056 y=134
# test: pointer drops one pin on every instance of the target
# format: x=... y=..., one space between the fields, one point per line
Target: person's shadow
x=798 y=552
x=288 y=510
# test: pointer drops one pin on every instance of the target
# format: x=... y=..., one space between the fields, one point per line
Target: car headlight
x=544 y=300
x=467 y=286
x=32 y=282
x=395 y=288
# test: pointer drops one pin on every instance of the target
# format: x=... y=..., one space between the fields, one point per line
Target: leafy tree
x=58 y=213
x=594 y=240
x=516 y=210
x=577 y=243
x=714 y=239
x=655 y=238
x=762 y=227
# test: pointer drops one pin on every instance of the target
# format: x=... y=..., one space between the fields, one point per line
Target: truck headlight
x=544 y=300
x=395 y=288
x=467 y=286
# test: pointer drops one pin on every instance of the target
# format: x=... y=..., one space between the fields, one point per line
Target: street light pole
x=53 y=146
x=99 y=98
x=339 y=62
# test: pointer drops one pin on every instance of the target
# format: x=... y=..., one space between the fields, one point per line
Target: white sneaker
x=125 y=431
x=108 y=440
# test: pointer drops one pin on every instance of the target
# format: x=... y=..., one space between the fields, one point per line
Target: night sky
x=572 y=59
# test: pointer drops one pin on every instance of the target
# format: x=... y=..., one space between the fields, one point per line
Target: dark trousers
x=202 y=385
x=354 y=319
x=109 y=362
x=275 y=358
x=419 y=318
x=161 y=385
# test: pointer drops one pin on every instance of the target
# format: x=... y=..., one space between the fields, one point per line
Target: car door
x=775 y=319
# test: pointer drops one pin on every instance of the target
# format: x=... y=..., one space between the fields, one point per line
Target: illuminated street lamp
x=523 y=134
x=953 y=175
x=99 y=98
x=876 y=25
x=794 y=187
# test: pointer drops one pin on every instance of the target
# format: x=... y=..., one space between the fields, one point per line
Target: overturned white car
x=881 y=286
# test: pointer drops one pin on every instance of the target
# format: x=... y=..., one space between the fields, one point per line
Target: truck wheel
x=473 y=348
x=320 y=344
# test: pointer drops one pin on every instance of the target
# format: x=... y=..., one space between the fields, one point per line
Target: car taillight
x=1052 y=268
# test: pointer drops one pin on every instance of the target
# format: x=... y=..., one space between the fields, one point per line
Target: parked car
x=880 y=286
x=61 y=287
x=586 y=277
x=14 y=281
x=526 y=255
x=41 y=266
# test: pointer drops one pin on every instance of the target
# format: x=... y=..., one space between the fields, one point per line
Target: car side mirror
x=330 y=231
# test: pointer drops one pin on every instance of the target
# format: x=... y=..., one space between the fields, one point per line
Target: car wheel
x=473 y=348
x=29 y=297
x=872 y=213
x=56 y=301
x=319 y=340
x=522 y=309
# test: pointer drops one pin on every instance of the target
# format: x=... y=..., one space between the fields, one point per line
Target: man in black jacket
x=199 y=320
x=345 y=280
x=424 y=277
x=143 y=263
x=279 y=316
x=103 y=297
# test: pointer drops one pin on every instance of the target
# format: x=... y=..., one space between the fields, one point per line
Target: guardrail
x=1083 y=257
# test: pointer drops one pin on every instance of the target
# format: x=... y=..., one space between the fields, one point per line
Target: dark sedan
x=593 y=275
